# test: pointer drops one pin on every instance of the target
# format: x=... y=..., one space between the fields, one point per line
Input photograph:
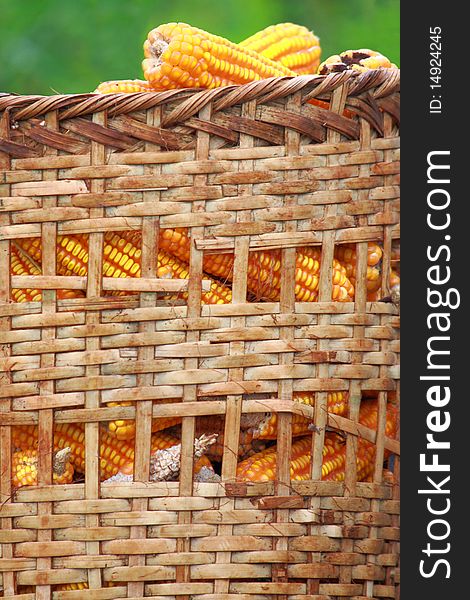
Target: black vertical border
x=421 y=133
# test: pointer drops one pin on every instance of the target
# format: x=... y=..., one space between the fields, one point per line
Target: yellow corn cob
x=115 y=455
x=355 y=60
x=346 y=255
x=293 y=46
x=72 y=253
x=262 y=466
x=25 y=468
x=334 y=460
x=178 y=55
x=124 y=429
x=20 y=264
x=123 y=86
x=266 y=429
x=368 y=415
x=264 y=269
x=308 y=265
x=29 y=247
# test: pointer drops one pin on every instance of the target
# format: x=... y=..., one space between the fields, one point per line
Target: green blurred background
x=69 y=46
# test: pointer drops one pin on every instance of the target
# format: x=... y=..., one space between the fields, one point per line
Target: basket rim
x=378 y=83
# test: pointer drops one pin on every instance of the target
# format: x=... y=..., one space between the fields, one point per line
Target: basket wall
x=249 y=168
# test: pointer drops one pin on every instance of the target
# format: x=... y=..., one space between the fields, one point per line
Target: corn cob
x=125 y=429
x=25 y=467
x=308 y=259
x=264 y=269
x=120 y=257
x=65 y=436
x=334 y=459
x=333 y=469
x=21 y=264
x=368 y=416
x=293 y=46
x=115 y=455
x=346 y=255
x=72 y=253
x=70 y=587
x=123 y=86
x=355 y=60
x=178 y=55
x=262 y=466
x=265 y=426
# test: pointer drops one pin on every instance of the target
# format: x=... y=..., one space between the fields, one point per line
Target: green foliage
x=69 y=46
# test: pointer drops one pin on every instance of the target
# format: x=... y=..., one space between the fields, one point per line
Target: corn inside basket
x=175 y=265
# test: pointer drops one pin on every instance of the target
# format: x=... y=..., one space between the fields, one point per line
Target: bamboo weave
x=244 y=168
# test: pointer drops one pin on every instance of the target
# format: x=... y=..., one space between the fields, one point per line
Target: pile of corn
x=177 y=55
x=257 y=447
x=122 y=258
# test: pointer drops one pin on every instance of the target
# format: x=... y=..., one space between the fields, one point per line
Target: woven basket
x=244 y=168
